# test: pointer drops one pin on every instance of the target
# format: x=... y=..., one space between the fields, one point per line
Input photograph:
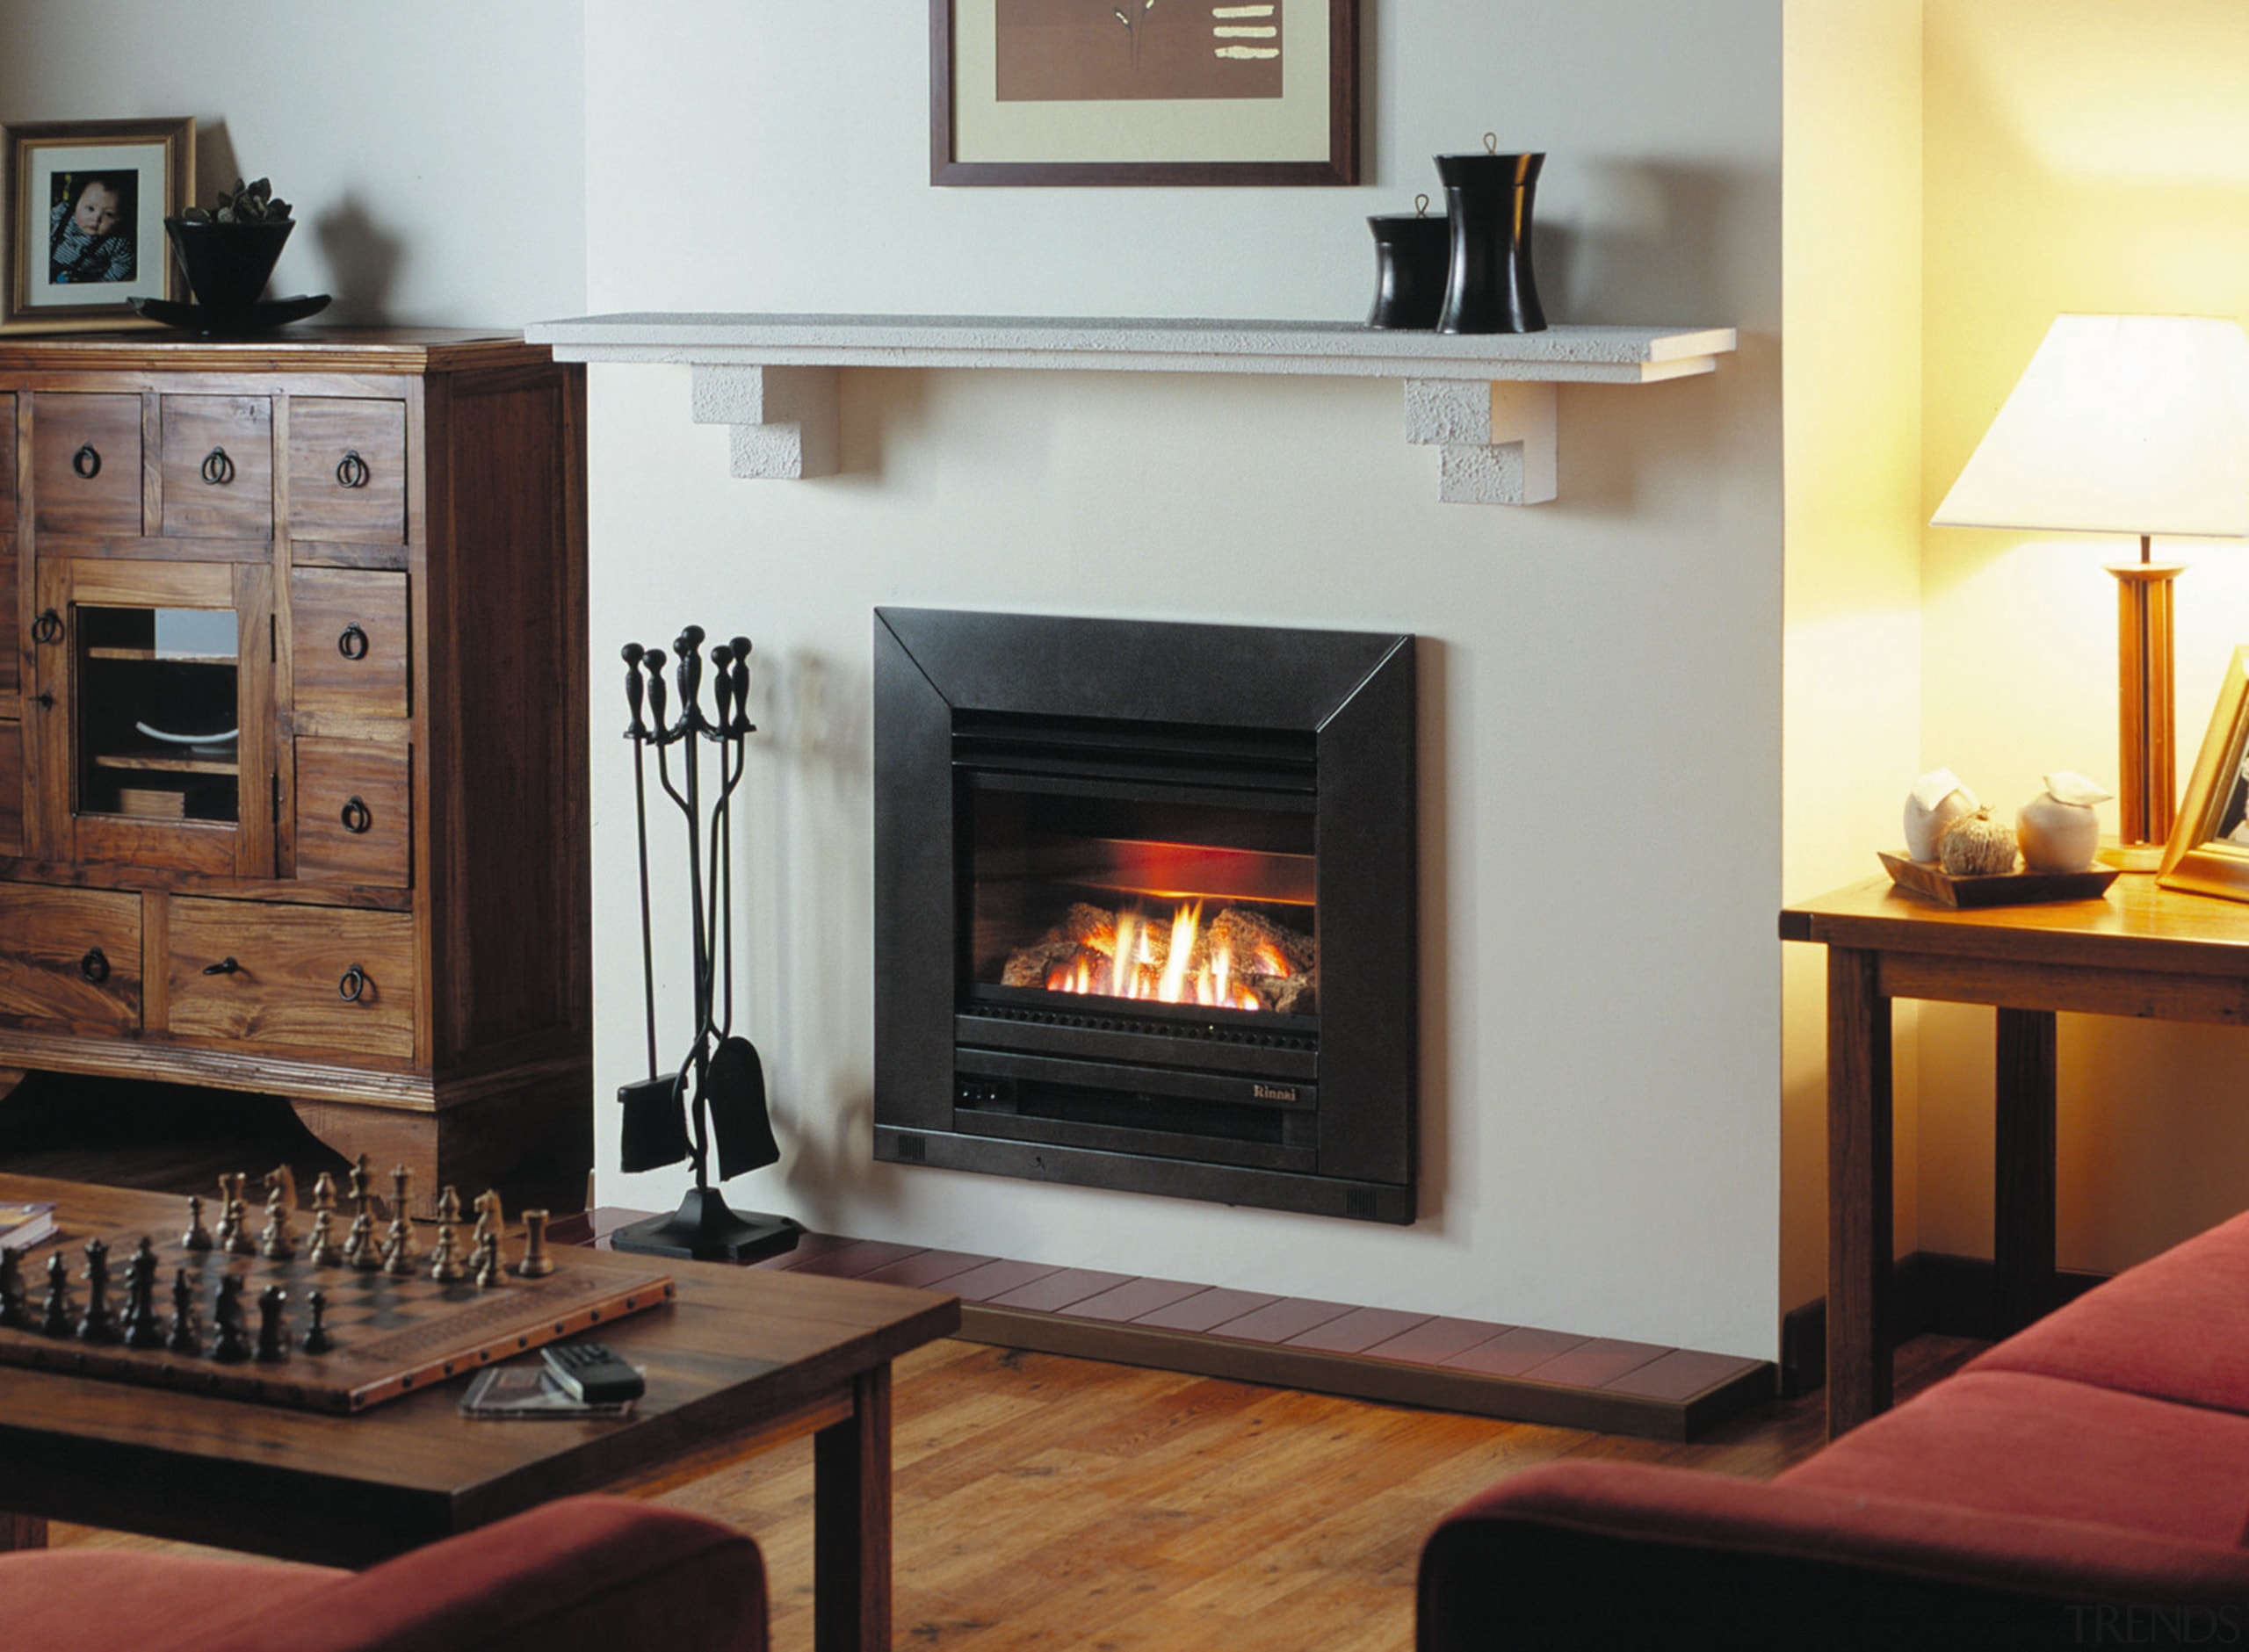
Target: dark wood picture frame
x=1339 y=166
x=2203 y=856
x=165 y=148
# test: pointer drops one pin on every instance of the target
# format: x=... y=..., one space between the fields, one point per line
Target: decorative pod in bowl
x=1977 y=846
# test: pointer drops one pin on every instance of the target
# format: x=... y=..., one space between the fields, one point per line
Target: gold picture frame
x=60 y=272
x=1024 y=92
x=2209 y=850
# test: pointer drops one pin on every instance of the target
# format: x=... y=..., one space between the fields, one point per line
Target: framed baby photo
x=82 y=205
x=2209 y=850
x=1161 y=92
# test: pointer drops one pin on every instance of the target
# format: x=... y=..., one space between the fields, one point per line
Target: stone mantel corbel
x=1485 y=400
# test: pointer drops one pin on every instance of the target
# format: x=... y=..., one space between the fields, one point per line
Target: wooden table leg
x=850 y=1566
x=22 y=1531
x=1858 y=1191
x=2023 y=1203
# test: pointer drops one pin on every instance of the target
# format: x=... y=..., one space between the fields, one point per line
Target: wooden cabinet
x=292 y=736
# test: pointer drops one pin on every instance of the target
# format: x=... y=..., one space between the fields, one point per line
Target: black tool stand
x=703 y=1229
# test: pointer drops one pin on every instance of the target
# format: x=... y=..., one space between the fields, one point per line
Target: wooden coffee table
x=744 y=1359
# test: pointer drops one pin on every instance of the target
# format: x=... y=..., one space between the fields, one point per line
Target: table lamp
x=2131 y=424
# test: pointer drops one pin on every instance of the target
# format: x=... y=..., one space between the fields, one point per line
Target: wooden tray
x=393 y=1336
x=1996 y=889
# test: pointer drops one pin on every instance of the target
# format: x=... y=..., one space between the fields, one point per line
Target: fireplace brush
x=716 y=1097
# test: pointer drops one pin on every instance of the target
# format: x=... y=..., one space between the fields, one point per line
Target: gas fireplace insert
x=1145 y=906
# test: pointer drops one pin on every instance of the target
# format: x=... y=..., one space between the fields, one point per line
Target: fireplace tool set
x=719 y=1087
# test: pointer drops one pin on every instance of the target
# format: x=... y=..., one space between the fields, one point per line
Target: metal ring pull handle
x=357 y=816
x=225 y=966
x=95 y=965
x=351 y=471
x=218 y=467
x=87 y=461
x=353 y=984
x=352 y=644
x=47 y=628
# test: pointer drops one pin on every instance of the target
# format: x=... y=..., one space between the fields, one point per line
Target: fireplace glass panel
x=1105 y=891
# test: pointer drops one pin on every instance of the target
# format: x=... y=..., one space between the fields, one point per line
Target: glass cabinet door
x=155 y=748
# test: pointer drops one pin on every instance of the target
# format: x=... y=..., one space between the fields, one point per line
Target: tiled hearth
x=1472 y=1365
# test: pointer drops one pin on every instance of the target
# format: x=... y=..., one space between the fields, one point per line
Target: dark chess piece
x=98 y=1323
x=272 y=1334
x=55 y=1318
x=143 y=1329
x=183 y=1335
x=318 y=1339
x=197 y=1238
x=230 y=1340
x=15 y=1310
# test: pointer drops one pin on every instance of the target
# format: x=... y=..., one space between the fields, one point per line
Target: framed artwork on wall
x=82 y=205
x=1150 y=93
x=2209 y=850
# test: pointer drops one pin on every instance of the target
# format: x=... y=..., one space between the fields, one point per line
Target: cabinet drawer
x=217 y=466
x=355 y=813
x=348 y=642
x=70 y=957
x=86 y=463
x=347 y=469
x=295 y=970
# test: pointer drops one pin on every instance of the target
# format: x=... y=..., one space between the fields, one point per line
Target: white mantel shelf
x=1485 y=400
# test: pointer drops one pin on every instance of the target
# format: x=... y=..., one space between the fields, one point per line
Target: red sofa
x=2084 y=1484
x=580 y=1575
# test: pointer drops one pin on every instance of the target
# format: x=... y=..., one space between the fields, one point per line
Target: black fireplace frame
x=1348 y=697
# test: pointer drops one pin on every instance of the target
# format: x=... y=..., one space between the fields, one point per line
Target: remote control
x=591 y=1374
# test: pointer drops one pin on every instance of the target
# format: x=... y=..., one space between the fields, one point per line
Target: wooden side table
x=2141 y=951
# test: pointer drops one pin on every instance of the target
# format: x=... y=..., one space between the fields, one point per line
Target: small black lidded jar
x=1411 y=256
x=1490 y=287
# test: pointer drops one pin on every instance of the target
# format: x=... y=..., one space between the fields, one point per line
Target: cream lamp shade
x=2127 y=424
x=2134 y=424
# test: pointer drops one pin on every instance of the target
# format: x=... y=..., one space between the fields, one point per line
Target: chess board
x=392 y=1335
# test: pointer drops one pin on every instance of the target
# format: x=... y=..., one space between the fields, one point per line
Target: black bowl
x=228 y=264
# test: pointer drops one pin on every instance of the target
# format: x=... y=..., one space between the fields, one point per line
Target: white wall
x=1602 y=754
x=1852 y=389
x=434 y=152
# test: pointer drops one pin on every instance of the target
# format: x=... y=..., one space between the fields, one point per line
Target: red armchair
x=581 y=1575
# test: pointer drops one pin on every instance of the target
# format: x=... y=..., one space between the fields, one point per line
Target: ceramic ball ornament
x=2057 y=829
x=1935 y=802
x=1977 y=846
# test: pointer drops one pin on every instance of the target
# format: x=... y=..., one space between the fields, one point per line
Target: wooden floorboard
x=1050 y=1503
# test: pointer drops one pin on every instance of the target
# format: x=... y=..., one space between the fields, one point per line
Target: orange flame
x=1133 y=972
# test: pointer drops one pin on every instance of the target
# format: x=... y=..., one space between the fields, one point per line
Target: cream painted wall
x=2085 y=156
x=1601 y=747
x=1851 y=390
x=434 y=152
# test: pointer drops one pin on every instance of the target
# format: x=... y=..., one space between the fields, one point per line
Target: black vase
x=228 y=264
x=1410 y=259
x=1489 y=286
